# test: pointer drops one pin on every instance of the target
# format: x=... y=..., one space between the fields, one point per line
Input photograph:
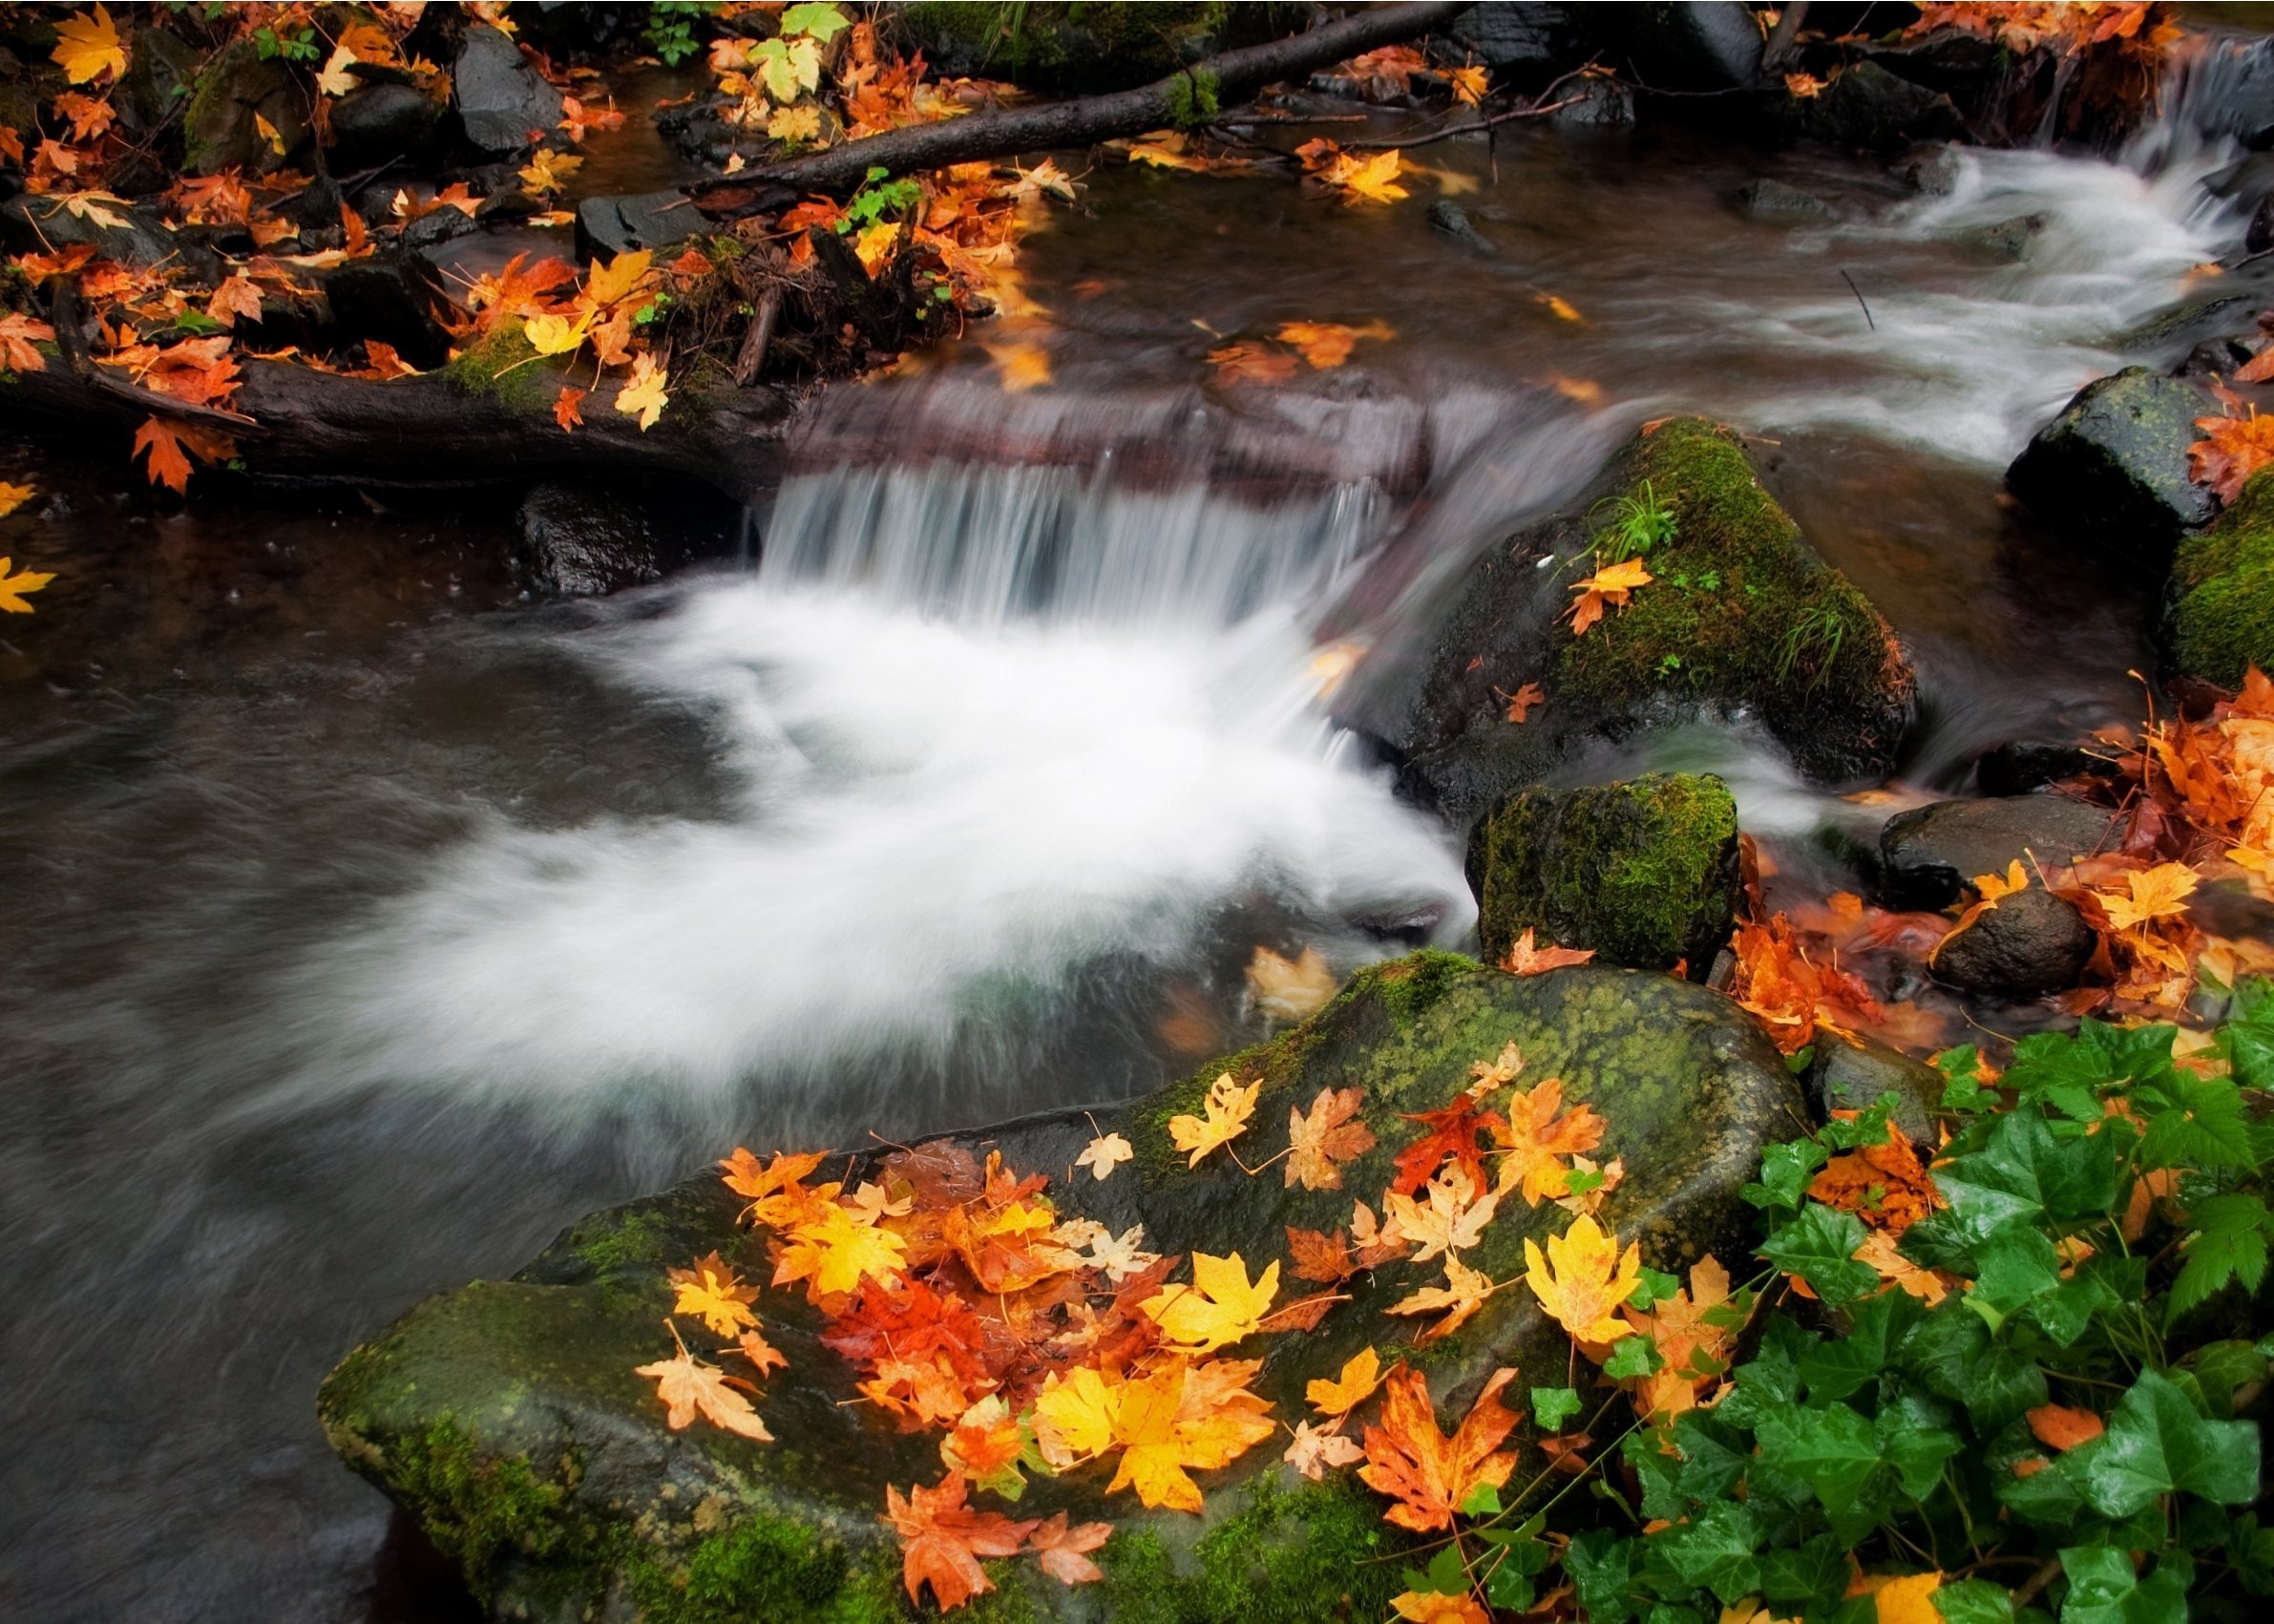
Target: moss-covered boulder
x=506 y=1416
x=2221 y=619
x=1083 y=49
x=1740 y=616
x=1644 y=873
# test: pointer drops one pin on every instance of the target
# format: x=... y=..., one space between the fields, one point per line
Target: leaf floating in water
x=1290 y=989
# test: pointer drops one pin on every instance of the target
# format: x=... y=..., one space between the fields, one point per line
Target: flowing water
x=365 y=925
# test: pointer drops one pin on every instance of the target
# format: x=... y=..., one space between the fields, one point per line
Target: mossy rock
x=2221 y=619
x=1083 y=49
x=1741 y=616
x=2111 y=466
x=1644 y=873
x=506 y=1417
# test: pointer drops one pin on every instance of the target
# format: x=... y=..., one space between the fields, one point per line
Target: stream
x=367 y=925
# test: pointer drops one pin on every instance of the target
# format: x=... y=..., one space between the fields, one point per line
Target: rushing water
x=365 y=926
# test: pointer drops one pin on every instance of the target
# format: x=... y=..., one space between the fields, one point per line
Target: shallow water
x=367 y=926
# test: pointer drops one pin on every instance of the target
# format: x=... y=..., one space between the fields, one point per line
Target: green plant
x=1193 y=98
x=297 y=47
x=878 y=197
x=1813 y=641
x=670 y=31
x=1638 y=522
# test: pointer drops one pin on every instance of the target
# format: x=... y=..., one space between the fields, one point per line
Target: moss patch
x=2222 y=584
x=1319 y=1551
x=478 y=1506
x=504 y=366
x=1644 y=873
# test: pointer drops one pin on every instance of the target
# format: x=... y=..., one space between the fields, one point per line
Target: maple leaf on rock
x=1428 y=1473
x=1584 y=1278
x=1318 y=1450
x=1361 y=1374
x=2232 y=450
x=17 y=334
x=1178 y=1421
x=1229 y=1106
x=1537 y=1135
x=1451 y=1135
x=690 y=1388
x=2160 y=892
x=1453 y=1220
x=1614 y=585
x=1218 y=1308
x=836 y=1251
x=1521 y=704
x=1327 y=1134
x=567 y=408
x=753 y=1346
x=1064 y=1551
x=1463 y=1293
x=1321 y=1256
x=88 y=46
x=642 y=396
x=710 y=1290
x=942 y=1539
x=1103 y=1153
x=617 y=279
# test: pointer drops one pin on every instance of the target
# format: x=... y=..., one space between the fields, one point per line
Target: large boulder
x=1741 y=616
x=1644 y=873
x=504 y=102
x=1928 y=853
x=2113 y=466
x=2222 y=619
x=1866 y=106
x=506 y=1417
x=1524 y=44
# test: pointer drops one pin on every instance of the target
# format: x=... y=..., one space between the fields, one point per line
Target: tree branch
x=1232 y=75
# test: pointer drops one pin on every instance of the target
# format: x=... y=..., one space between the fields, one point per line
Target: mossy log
x=506 y=1417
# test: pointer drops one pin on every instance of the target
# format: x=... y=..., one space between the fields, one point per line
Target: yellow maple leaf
x=88 y=46
x=2160 y=893
x=687 y=1388
x=13 y=497
x=14 y=587
x=1177 y=1419
x=1583 y=1280
x=1467 y=84
x=1906 y=1599
x=1611 y=585
x=836 y=1250
x=1463 y=1293
x=1329 y=1135
x=709 y=1290
x=1021 y=367
x=1218 y=1308
x=801 y=123
x=1374 y=178
x=548 y=171
x=1228 y=1109
x=1073 y=1415
x=1361 y=1374
x=642 y=395
x=335 y=79
x=617 y=279
x=556 y=335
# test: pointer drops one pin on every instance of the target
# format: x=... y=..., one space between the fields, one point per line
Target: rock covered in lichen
x=1740 y=616
x=506 y=1416
x=2221 y=619
x=1644 y=873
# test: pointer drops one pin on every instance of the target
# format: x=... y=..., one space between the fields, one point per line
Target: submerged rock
x=1741 y=616
x=2113 y=466
x=1448 y=218
x=2031 y=943
x=507 y=1418
x=1774 y=199
x=1644 y=873
x=1928 y=854
x=2222 y=619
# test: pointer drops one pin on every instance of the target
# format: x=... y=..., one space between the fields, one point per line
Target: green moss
x=1193 y=100
x=642 y=1240
x=505 y=367
x=1644 y=873
x=2222 y=581
x=1316 y=1552
x=1737 y=610
x=478 y=1506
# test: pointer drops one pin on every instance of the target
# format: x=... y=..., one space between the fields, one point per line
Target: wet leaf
x=1426 y=1473
x=1584 y=1278
x=688 y=1387
x=1103 y=1153
x=1330 y=1134
x=942 y=1539
x=1228 y=1107
x=13 y=588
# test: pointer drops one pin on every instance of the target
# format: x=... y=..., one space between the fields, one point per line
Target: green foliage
x=1638 y=522
x=670 y=31
x=298 y=46
x=878 y=198
x=1193 y=98
x=1872 y=1429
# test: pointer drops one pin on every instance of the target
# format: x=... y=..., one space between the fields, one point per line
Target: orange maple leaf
x=1451 y=1133
x=1064 y=1551
x=170 y=445
x=1228 y=1106
x=1428 y=1473
x=2058 y=1427
x=1523 y=958
x=1884 y=1184
x=1327 y=1135
x=2232 y=450
x=1614 y=585
x=1320 y=1257
x=1537 y=1137
x=1251 y=364
x=1522 y=703
x=942 y=1540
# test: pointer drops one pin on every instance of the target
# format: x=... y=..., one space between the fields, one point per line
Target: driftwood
x=1227 y=77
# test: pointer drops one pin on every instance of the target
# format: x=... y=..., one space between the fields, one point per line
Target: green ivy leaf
x=1552 y=1406
x=1654 y=1288
x=1714 y=1551
x=1601 y=1564
x=2156 y=1443
x=1633 y=1358
x=1785 y=1171
x=1836 y=1369
x=2229 y=1244
x=1820 y=1246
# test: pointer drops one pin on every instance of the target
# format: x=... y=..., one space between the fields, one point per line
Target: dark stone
x=555 y=26
x=34 y=225
x=1926 y=854
x=1850 y=1077
x=1774 y=199
x=2009 y=240
x=503 y=102
x=1527 y=45
x=619 y=224
x=2261 y=234
x=1830 y=682
x=236 y=87
x=378 y=124
x=1866 y=106
x=315 y=206
x=578 y=541
x=2113 y=465
x=160 y=71
x=393 y=297
x=1643 y=872
x=442 y=225
x=1709 y=45
x=2020 y=766
x=2029 y=944
x=136 y=173
x=1080 y=48
x=1594 y=104
x=506 y=1417
x=1951 y=60
x=1448 y=218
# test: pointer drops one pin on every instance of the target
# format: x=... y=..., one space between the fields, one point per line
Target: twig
x=1858 y=293
x=2046 y=1571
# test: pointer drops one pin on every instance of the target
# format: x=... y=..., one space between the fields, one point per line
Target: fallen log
x=1202 y=89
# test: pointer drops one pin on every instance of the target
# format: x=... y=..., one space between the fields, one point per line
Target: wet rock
x=236 y=88
x=2029 y=944
x=2019 y=766
x=1774 y=199
x=1866 y=106
x=618 y=225
x=1926 y=854
x=1644 y=873
x=1706 y=46
x=2260 y=235
x=506 y=1418
x=2220 y=620
x=1741 y=617
x=1524 y=44
x=1594 y=104
x=139 y=236
x=2010 y=240
x=377 y=124
x=578 y=541
x=2217 y=358
x=1448 y=218
x=1845 y=1076
x=503 y=102
x=1949 y=59
x=2113 y=466
x=443 y=225
x=556 y=25
x=161 y=72
x=393 y=297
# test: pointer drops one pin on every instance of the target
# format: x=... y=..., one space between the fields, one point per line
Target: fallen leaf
x=1327 y=344
x=1426 y=1473
x=1228 y=1107
x=1453 y=1220
x=942 y=1540
x=2158 y=893
x=1449 y=1135
x=1584 y=1278
x=15 y=588
x=566 y=408
x=1361 y=1374
x=642 y=395
x=2232 y=450
x=1524 y=959
x=1537 y=1137
x=2059 y=1428
x=687 y=1388
x=1318 y=1450
x=1464 y=1292
x=88 y=46
x=17 y=333
x=1438 y=1607
x=1251 y=364
x=1522 y=703
x=753 y=1346
x=1019 y=367
x=13 y=497
x=1103 y=1153
x=1218 y=1308
x=1614 y=585
x=1330 y=1134
x=1290 y=989
x=1321 y=1257
x=1064 y=1551
x=710 y=1290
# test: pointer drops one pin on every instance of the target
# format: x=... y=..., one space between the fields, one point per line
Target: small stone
x=623 y=225
x=1845 y=1076
x=1866 y=106
x=391 y=297
x=503 y=102
x=577 y=542
x=1929 y=855
x=1594 y=104
x=2031 y=943
x=1774 y=199
x=2020 y=766
x=1448 y=218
